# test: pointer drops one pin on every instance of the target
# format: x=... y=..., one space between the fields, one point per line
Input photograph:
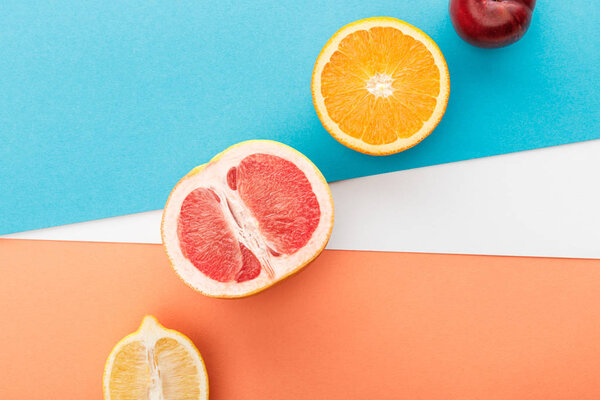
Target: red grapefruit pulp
x=255 y=214
x=209 y=243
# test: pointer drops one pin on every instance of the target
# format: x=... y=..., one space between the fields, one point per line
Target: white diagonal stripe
x=543 y=202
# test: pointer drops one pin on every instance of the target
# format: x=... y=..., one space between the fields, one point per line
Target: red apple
x=491 y=23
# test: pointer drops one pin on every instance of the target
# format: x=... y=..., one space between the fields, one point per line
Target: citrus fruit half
x=380 y=86
x=155 y=363
x=256 y=213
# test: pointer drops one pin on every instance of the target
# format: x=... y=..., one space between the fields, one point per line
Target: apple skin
x=491 y=23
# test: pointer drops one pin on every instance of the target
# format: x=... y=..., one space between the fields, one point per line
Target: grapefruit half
x=253 y=215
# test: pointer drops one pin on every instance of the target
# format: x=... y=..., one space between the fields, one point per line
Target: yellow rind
x=180 y=337
x=199 y=168
x=331 y=126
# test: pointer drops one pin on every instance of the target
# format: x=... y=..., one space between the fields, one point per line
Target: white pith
x=401 y=143
x=380 y=85
x=245 y=226
x=214 y=176
x=149 y=333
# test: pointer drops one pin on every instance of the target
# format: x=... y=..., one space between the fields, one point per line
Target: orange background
x=353 y=325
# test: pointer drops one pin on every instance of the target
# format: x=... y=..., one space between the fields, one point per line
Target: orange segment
x=380 y=85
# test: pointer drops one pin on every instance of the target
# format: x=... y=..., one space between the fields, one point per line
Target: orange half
x=380 y=85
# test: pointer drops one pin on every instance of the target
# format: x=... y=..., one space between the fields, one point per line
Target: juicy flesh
x=162 y=371
x=266 y=210
x=380 y=85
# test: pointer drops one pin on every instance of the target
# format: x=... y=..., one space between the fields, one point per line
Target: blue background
x=105 y=105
